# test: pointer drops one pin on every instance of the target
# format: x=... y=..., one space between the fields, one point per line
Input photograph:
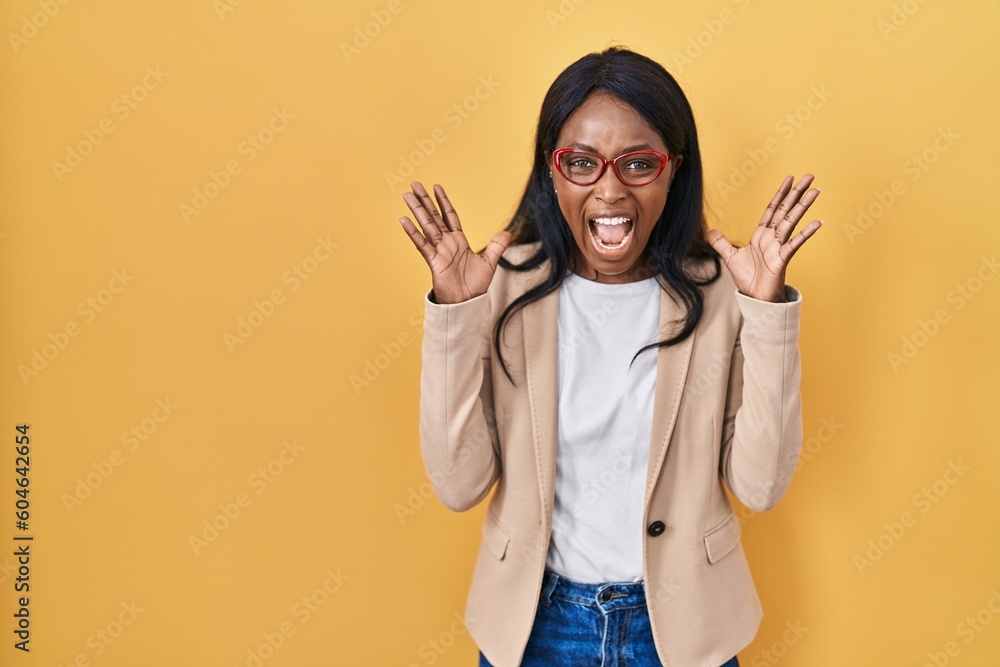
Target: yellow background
x=895 y=78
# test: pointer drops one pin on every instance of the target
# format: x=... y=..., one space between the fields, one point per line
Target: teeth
x=608 y=247
x=618 y=220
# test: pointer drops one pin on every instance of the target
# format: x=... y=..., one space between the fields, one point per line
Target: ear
x=675 y=165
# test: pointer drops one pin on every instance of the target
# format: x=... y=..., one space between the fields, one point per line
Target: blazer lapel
x=672 y=365
x=540 y=333
x=541 y=358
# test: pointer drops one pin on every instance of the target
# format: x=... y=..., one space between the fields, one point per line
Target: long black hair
x=679 y=233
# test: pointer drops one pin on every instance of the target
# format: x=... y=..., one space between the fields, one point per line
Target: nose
x=609 y=187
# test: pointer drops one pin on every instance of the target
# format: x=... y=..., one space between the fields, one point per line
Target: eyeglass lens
x=637 y=169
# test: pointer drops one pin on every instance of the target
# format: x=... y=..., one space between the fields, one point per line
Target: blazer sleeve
x=762 y=427
x=458 y=435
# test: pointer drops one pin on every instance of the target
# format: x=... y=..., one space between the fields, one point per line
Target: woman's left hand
x=759 y=268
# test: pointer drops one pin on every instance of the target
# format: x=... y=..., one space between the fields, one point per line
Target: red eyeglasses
x=586 y=168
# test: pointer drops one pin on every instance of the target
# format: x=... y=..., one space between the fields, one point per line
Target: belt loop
x=548 y=585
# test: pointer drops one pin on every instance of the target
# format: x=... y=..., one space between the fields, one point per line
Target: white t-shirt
x=605 y=416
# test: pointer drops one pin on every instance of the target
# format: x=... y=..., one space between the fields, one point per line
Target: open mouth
x=611 y=233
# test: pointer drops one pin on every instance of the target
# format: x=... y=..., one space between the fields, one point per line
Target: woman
x=602 y=366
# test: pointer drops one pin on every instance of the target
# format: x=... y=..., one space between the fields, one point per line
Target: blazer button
x=656 y=528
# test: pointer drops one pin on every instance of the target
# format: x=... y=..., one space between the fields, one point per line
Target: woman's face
x=606 y=125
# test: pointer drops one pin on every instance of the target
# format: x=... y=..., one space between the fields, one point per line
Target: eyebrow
x=629 y=149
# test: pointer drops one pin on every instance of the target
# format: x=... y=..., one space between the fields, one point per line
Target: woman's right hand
x=457 y=272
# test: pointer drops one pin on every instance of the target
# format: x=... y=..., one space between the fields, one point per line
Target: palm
x=458 y=273
x=758 y=269
x=457 y=266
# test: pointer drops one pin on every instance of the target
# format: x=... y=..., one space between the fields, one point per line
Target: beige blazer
x=727 y=408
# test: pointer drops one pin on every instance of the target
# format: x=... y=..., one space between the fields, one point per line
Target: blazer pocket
x=495 y=536
x=723 y=538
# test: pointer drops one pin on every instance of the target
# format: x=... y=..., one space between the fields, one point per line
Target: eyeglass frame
x=559 y=152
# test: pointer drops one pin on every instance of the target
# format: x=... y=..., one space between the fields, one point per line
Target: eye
x=638 y=164
x=580 y=162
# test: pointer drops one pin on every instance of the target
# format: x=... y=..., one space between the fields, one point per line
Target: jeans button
x=605 y=595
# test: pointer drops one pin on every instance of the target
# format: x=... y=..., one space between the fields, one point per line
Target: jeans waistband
x=607 y=595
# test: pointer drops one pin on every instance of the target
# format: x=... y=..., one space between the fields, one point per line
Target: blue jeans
x=591 y=625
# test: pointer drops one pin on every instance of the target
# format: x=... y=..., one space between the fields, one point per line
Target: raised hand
x=759 y=268
x=458 y=273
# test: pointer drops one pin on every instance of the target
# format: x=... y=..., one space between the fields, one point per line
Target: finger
x=788 y=249
x=790 y=200
x=721 y=244
x=425 y=199
x=768 y=214
x=786 y=224
x=432 y=232
x=496 y=247
x=450 y=217
x=425 y=248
